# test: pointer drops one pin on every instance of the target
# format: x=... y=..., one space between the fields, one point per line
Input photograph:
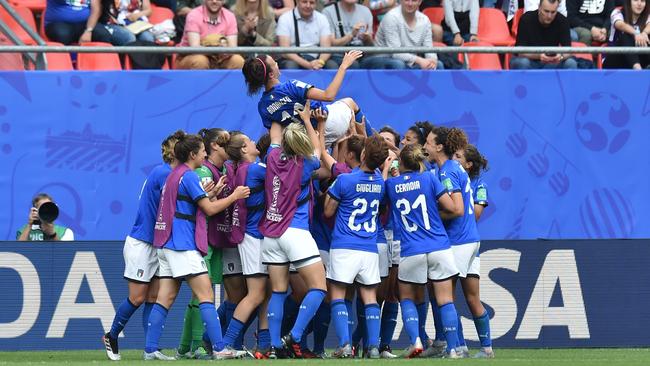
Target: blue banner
x=566 y=149
x=538 y=294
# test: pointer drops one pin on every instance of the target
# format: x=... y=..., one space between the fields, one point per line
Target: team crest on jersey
x=407 y=177
x=203 y=264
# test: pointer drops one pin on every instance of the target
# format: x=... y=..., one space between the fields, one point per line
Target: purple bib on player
x=219 y=224
x=167 y=210
x=281 y=191
x=237 y=174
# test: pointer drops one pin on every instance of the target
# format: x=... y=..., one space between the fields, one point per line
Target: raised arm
x=329 y=94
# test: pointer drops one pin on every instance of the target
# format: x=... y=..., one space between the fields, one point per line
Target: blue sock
x=482 y=324
x=122 y=316
x=340 y=316
x=449 y=319
x=305 y=334
x=146 y=311
x=360 y=331
x=437 y=322
x=291 y=308
x=239 y=341
x=373 y=321
x=308 y=308
x=388 y=322
x=410 y=319
x=321 y=326
x=422 y=322
x=212 y=324
x=230 y=311
x=156 y=324
x=232 y=333
x=221 y=312
x=263 y=339
x=348 y=307
x=275 y=315
x=461 y=336
x=358 y=118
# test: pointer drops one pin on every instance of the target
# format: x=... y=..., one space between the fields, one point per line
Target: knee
x=235 y=62
x=570 y=63
x=193 y=62
x=520 y=63
x=137 y=299
x=395 y=64
x=289 y=64
x=331 y=64
x=59 y=32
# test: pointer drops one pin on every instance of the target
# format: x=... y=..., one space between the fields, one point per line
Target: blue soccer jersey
x=479 y=191
x=319 y=230
x=414 y=204
x=283 y=103
x=359 y=195
x=190 y=192
x=461 y=230
x=255 y=202
x=148 y=205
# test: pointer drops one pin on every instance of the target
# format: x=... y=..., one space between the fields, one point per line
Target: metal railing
x=38 y=58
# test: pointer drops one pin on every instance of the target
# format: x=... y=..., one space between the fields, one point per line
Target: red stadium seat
x=493 y=28
x=128 y=66
x=36 y=6
x=435 y=14
x=58 y=61
x=515 y=22
x=98 y=61
x=159 y=14
x=482 y=61
x=586 y=56
x=21 y=33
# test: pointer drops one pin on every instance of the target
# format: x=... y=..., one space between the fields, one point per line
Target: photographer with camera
x=40 y=222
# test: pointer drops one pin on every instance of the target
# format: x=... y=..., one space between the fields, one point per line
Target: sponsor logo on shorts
x=231 y=267
x=203 y=264
x=140 y=273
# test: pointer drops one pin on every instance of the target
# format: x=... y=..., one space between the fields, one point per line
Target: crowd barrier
x=539 y=294
x=565 y=148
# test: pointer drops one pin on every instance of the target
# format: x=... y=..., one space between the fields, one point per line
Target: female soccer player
x=293 y=157
x=180 y=234
x=244 y=170
x=140 y=259
x=474 y=163
x=282 y=101
x=354 y=257
x=416 y=197
x=441 y=145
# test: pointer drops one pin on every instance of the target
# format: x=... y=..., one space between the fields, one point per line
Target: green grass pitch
x=523 y=357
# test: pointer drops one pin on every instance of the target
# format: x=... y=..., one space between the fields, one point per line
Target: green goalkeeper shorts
x=215 y=265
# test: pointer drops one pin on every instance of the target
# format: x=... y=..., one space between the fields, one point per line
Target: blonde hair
x=412 y=158
x=263 y=8
x=295 y=141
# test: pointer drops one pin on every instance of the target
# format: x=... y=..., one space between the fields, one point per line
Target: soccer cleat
x=463 y=351
x=261 y=354
x=184 y=356
x=228 y=353
x=386 y=352
x=201 y=354
x=414 y=350
x=157 y=356
x=373 y=353
x=452 y=354
x=207 y=346
x=323 y=355
x=292 y=346
x=485 y=352
x=112 y=350
x=343 y=352
x=307 y=353
x=278 y=353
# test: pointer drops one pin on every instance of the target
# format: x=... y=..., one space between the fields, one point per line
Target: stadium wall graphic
x=565 y=293
x=567 y=149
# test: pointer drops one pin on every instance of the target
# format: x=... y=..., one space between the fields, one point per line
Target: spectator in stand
x=255 y=23
x=630 y=28
x=210 y=25
x=351 y=24
x=461 y=21
x=71 y=22
x=280 y=7
x=406 y=26
x=169 y=4
x=589 y=19
x=313 y=30
x=37 y=229
x=117 y=15
x=544 y=27
x=183 y=7
x=531 y=5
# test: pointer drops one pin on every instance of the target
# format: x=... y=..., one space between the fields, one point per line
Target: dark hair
x=452 y=139
x=235 y=144
x=39 y=197
x=421 y=129
x=210 y=135
x=186 y=145
x=412 y=158
x=355 y=145
x=167 y=146
x=479 y=162
x=375 y=151
x=392 y=131
x=628 y=14
x=263 y=144
x=256 y=73
x=552 y=2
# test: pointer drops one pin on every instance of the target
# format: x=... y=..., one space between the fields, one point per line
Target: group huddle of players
x=320 y=210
